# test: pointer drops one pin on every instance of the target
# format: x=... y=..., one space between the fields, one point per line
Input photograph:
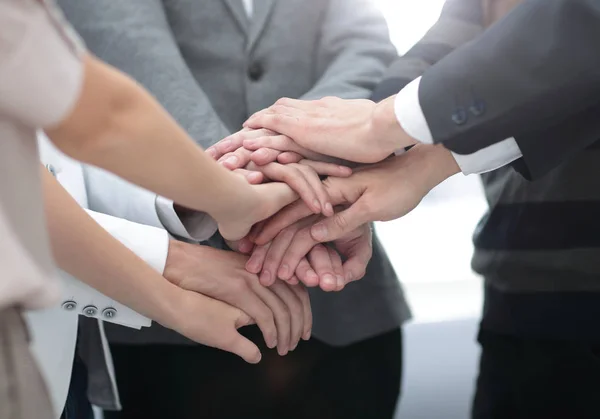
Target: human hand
x=210 y=322
x=356 y=130
x=263 y=146
x=282 y=311
x=301 y=175
x=380 y=192
x=281 y=252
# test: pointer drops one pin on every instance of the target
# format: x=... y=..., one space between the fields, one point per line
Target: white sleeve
x=150 y=243
x=196 y=226
x=412 y=119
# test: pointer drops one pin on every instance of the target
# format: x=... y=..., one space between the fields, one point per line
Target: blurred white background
x=431 y=247
x=431 y=250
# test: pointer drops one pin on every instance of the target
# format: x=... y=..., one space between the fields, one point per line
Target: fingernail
x=312 y=275
x=316 y=206
x=273 y=343
x=249 y=143
x=265 y=278
x=232 y=160
x=284 y=271
x=329 y=280
x=307 y=335
x=226 y=144
x=262 y=153
x=319 y=232
x=211 y=152
x=329 y=208
x=253 y=176
x=252 y=265
x=340 y=280
x=346 y=169
x=294 y=347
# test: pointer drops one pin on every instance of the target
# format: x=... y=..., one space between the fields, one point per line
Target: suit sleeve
x=537 y=67
x=135 y=37
x=460 y=21
x=354 y=50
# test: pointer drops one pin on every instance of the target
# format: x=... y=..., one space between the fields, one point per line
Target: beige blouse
x=40 y=77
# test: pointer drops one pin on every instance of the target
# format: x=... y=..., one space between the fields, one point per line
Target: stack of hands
x=337 y=159
x=324 y=238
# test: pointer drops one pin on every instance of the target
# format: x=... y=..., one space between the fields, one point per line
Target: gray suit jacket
x=211 y=67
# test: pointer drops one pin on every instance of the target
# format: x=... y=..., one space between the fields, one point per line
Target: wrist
x=176 y=257
x=386 y=130
x=435 y=163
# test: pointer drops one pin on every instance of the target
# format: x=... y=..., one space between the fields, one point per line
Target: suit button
x=51 y=169
x=477 y=108
x=90 y=311
x=109 y=313
x=256 y=71
x=459 y=117
x=69 y=305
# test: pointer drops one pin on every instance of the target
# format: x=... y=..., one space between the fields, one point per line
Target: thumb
x=238 y=344
x=341 y=223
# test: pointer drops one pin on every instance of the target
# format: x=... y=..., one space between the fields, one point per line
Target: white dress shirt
x=410 y=116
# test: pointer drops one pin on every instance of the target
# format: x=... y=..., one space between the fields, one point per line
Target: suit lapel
x=260 y=16
x=239 y=14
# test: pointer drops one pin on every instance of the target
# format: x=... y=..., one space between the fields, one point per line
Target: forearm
x=86 y=251
x=118 y=126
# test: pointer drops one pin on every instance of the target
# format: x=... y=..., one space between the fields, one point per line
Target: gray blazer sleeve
x=533 y=69
x=354 y=50
x=134 y=36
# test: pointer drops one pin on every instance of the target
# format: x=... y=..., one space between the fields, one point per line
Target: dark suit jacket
x=533 y=76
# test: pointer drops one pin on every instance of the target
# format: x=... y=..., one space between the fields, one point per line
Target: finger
x=253 y=178
x=294 y=305
x=294 y=176
x=227 y=144
x=231 y=340
x=302 y=294
x=272 y=266
x=256 y=229
x=336 y=262
x=288 y=157
x=236 y=159
x=341 y=223
x=281 y=313
x=321 y=262
x=306 y=274
x=355 y=266
x=327 y=169
x=293 y=280
x=250 y=302
x=244 y=245
x=264 y=156
x=297 y=250
x=255 y=263
x=281 y=220
x=277 y=142
x=313 y=180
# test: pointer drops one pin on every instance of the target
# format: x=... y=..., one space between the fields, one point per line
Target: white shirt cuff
x=198 y=227
x=410 y=115
x=489 y=158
